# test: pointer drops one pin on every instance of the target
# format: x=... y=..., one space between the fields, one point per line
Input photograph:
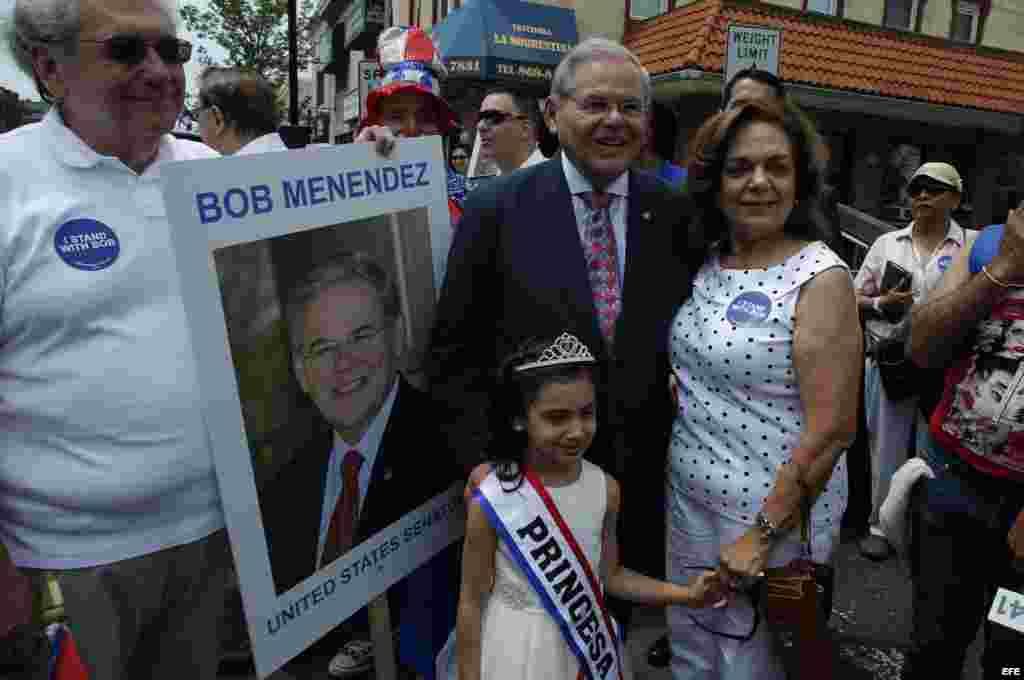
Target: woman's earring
x=518 y=426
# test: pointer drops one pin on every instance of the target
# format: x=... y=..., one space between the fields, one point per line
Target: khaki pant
x=153 y=616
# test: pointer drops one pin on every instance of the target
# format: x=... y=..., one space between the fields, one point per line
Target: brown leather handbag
x=791 y=599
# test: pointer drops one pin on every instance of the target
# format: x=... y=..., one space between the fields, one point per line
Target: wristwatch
x=768 y=530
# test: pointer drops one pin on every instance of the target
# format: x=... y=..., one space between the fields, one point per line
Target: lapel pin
x=388 y=474
x=646 y=215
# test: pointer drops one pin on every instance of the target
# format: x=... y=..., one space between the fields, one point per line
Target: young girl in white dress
x=546 y=422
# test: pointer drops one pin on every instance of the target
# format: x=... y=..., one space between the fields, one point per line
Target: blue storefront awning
x=505 y=40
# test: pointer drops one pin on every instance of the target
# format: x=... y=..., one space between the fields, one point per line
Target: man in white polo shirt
x=106 y=477
x=507 y=125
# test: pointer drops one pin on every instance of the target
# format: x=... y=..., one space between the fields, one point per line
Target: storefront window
x=1009 y=185
x=901 y=14
x=822 y=6
x=965 y=22
x=645 y=9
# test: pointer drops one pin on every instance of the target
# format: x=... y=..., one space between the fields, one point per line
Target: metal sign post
x=367 y=80
x=385 y=667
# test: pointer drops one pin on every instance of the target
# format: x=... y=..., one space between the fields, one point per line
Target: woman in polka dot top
x=766 y=362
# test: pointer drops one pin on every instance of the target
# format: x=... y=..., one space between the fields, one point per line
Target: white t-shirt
x=105 y=455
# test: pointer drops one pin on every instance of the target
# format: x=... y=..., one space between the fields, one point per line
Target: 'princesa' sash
x=541 y=543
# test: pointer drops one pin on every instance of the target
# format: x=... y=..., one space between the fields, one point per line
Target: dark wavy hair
x=708 y=152
x=514 y=392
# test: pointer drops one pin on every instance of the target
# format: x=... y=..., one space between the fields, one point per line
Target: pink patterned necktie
x=602 y=257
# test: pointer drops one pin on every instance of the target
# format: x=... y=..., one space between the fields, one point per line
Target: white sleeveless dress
x=520 y=640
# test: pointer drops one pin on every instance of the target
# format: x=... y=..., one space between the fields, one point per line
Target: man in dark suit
x=579 y=243
x=379 y=453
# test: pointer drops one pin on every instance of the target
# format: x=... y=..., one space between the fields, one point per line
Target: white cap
x=940 y=172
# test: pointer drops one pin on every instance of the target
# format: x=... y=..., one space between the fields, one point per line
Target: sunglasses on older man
x=918 y=187
x=130 y=50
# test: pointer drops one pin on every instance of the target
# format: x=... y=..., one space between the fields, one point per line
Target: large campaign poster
x=309 y=279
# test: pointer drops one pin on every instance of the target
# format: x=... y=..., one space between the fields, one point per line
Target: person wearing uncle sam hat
x=407 y=100
x=901 y=271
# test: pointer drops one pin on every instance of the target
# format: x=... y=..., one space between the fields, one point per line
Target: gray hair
x=246 y=99
x=54 y=25
x=563 y=83
x=345 y=267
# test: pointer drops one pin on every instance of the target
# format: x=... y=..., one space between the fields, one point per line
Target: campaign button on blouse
x=749 y=309
x=944 y=262
x=86 y=244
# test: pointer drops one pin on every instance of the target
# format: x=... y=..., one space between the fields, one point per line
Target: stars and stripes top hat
x=409 y=61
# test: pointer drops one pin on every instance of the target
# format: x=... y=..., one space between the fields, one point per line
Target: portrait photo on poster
x=309 y=322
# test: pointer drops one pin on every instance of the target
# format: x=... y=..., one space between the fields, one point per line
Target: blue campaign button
x=749 y=309
x=944 y=262
x=86 y=244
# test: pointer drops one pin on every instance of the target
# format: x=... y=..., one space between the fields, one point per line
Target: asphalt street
x=870 y=623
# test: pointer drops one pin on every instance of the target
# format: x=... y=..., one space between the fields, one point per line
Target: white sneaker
x=355 y=657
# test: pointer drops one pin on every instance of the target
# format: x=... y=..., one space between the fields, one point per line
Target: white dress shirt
x=618 y=208
x=368 y=447
x=533 y=159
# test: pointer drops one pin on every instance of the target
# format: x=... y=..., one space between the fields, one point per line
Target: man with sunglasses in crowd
x=900 y=270
x=106 y=476
x=507 y=129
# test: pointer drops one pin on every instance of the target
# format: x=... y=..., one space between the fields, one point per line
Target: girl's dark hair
x=514 y=392
x=708 y=151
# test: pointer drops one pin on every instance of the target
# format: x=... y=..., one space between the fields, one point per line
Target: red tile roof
x=842 y=55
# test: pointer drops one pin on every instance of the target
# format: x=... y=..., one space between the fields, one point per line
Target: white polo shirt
x=265 y=144
x=105 y=454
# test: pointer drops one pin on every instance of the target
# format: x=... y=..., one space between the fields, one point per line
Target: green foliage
x=254 y=33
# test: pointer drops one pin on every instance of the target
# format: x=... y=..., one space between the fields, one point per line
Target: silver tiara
x=566 y=349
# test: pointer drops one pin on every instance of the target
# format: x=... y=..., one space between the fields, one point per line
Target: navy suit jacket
x=516 y=269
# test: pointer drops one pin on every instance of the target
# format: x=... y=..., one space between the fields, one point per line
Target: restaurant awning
x=505 y=40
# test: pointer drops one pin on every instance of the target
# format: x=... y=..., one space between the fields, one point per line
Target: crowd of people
x=647 y=374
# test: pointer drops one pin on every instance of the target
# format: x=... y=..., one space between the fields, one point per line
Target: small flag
x=65 y=664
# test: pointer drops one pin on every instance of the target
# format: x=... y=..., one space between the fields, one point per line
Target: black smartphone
x=896 y=278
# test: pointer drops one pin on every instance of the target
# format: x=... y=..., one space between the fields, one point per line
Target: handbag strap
x=805 y=517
